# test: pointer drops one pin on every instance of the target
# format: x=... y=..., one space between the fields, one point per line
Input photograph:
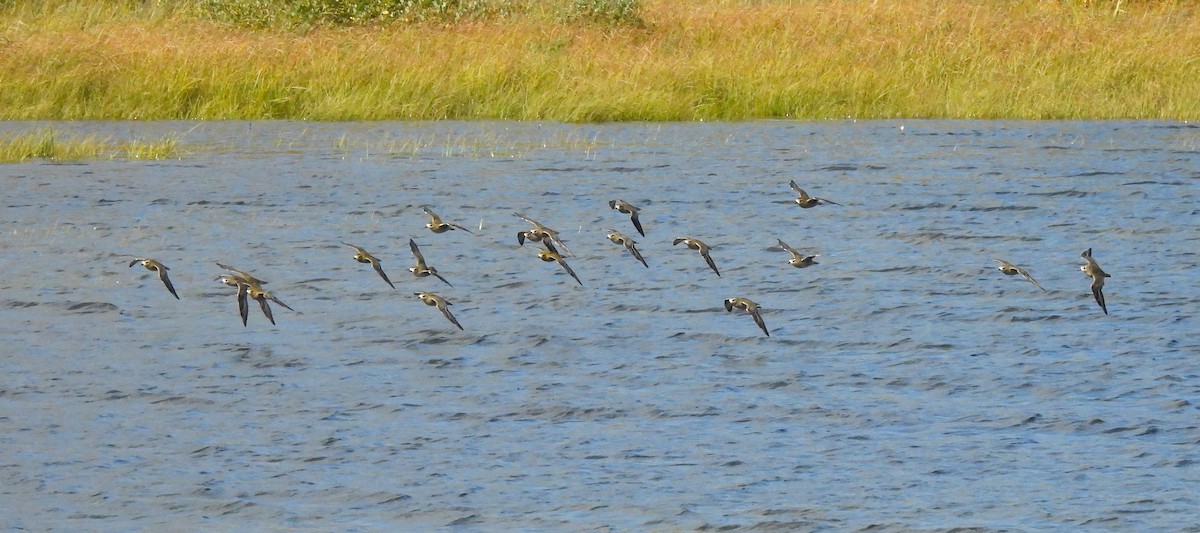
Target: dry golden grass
x=705 y=60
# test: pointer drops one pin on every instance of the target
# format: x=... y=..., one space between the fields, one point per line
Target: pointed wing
x=554 y=237
x=450 y=317
x=1029 y=277
x=462 y=228
x=568 y=269
x=711 y=264
x=439 y=276
x=243 y=299
x=412 y=245
x=633 y=249
x=758 y=319
x=162 y=274
x=1098 y=293
x=243 y=274
x=272 y=297
x=637 y=224
x=787 y=248
x=379 y=269
x=266 y=308
x=529 y=220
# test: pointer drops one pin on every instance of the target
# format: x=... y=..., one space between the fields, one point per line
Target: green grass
x=598 y=60
x=48 y=144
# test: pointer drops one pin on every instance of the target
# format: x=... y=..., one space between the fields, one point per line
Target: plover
x=750 y=307
x=440 y=303
x=620 y=238
x=543 y=232
x=362 y=256
x=155 y=266
x=806 y=201
x=629 y=209
x=421 y=269
x=695 y=244
x=550 y=254
x=242 y=295
x=1092 y=270
x=1012 y=270
x=436 y=224
x=798 y=259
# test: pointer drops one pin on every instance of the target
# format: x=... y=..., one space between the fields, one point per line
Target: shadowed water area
x=906 y=382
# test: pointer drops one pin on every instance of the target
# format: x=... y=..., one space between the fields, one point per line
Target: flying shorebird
x=441 y=303
x=806 y=201
x=542 y=233
x=1092 y=270
x=436 y=224
x=620 y=238
x=629 y=209
x=798 y=259
x=550 y=254
x=362 y=256
x=243 y=274
x=242 y=292
x=695 y=244
x=750 y=307
x=155 y=266
x=1012 y=270
x=422 y=269
x=255 y=290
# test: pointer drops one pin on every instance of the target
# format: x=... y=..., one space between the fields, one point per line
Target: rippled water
x=906 y=383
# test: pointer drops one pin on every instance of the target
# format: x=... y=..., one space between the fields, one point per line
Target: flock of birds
x=249 y=287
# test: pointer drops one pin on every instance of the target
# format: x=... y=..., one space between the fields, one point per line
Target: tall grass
x=604 y=60
x=47 y=144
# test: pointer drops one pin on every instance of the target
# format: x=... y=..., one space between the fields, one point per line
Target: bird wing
x=633 y=250
x=567 y=267
x=243 y=303
x=266 y=308
x=450 y=317
x=243 y=274
x=1025 y=273
x=789 y=249
x=758 y=319
x=636 y=223
x=379 y=269
x=272 y=297
x=1098 y=293
x=711 y=264
x=162 y=274
x=433 y=218
x=412 y=245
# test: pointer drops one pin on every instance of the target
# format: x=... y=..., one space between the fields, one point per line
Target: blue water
x=906 y=383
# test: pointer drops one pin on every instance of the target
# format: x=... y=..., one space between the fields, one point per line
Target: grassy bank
x=659 y=60
x=48 y=144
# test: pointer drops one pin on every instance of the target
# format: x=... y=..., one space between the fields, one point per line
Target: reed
x=605 y=60
x=47 y=144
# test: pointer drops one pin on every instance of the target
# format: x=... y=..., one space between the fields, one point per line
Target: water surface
x=906 y=383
